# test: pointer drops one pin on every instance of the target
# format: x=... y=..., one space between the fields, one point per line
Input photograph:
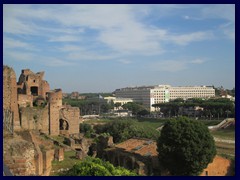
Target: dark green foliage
x=86 y=129
x=185 y=147
x=96 y=167
x=122 y=130
x=143 y=112
x=221 y=107
x=134 y=107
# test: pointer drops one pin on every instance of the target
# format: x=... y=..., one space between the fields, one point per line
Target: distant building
x=109 y=99
x=149 y=95
x=74 y=95
x=121 y=101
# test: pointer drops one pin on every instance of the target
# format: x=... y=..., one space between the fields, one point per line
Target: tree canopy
x=124 y=129
x=96 y=167
x=185 y=147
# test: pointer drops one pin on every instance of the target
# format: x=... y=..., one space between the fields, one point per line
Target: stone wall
x=10 y=94
x=25 y=100
x=35 y=118
x=28 y=79
x=71 y=115
x=55 y=104
x=19 y=156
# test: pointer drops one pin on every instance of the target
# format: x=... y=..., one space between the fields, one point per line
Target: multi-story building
x=149 y=95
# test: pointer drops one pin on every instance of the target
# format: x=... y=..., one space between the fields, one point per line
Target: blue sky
x=99 y=48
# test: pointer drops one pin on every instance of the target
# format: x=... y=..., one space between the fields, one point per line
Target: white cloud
x=116 y=26
x=65 y=38
x=197 y=61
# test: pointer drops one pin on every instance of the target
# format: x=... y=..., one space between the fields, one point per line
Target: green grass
x=210 y=122
x=228 y=133
x=98 y=121
x=58 y=138
x=154 y=123
x=68 y=162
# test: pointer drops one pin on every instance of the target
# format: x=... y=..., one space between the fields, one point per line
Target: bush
x=96 y=167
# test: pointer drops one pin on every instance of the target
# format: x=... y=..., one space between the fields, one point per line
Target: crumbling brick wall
x=28 y=79
x=71 y=115
x=35 y=118
x=10 y=94
x=55 y=104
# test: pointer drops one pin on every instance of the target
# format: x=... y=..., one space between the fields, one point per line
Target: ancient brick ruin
x=35 y=107
x=30 y=106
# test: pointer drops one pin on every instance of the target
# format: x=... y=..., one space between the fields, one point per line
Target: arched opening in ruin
x=34 y=90
x=63 y=125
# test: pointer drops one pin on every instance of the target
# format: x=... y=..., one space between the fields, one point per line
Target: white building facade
x=149 y=95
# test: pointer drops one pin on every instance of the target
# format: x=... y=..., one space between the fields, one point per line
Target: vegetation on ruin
x=86 y=129
x=96 y=167
x=122 y=130
x=185 y=147
x=68 y=162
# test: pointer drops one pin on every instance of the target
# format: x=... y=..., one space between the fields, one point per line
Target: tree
x=134 y=107
x=96 y=167
x=117 y=105
x=86 y=129
x=185 y=147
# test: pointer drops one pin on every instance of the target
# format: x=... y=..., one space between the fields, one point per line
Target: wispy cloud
x=19 y=56
x=191 y=37
x=65 y=38
x=170 y=66
x=55 y=62
x=124 y=61
x=175 y=65
x=122 y=31
x=9 y=43
x=198 y=61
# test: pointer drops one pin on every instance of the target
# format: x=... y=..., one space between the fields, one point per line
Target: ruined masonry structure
x=35 y=107
x=10 y=101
